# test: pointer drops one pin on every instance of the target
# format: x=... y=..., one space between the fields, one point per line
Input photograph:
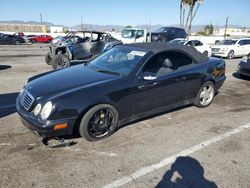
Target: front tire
x=99 y=122
x=205 y=95
x=60 y=61
x=48 y=59
x=230 y=54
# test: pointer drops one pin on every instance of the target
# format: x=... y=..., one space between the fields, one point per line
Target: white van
x=133 y=35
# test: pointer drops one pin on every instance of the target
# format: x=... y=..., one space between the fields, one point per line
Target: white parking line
x=148 y=169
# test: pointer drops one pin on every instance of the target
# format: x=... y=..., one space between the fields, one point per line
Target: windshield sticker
x=137 y=53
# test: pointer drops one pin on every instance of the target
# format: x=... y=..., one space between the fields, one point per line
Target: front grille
x=26 y=99
x=215 y=49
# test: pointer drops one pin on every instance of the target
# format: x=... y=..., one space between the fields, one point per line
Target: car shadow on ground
x=7 y=104
x=76 y=135
x=3 y=67
x=185 y=172
x=241 y=77
x=154 y=115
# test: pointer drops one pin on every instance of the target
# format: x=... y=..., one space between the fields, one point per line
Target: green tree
x=209 y=29
x=129 y=26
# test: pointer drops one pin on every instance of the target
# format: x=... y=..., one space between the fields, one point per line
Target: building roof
x=157 y=47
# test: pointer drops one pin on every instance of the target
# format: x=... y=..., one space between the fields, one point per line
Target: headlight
x=46 y=110
x=37 y=109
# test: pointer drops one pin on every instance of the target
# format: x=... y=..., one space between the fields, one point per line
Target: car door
x=154 y=91
x=240 y=51
x=8 y=39
x=246 y=46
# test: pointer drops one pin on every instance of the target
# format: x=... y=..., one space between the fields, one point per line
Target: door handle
x=184 y=78
x=141 y=87
x=147 y=85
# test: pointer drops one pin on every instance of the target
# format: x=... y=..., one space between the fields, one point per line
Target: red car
x=41 y=38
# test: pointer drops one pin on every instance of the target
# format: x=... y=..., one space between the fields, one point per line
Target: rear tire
x=205 y=53
x=16 y=42
x=60 y=61
x=48 y=59
x=99 y=122
x=33 y=41
x=205 y=95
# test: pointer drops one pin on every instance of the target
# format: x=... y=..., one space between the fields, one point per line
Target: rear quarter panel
x=216 y=68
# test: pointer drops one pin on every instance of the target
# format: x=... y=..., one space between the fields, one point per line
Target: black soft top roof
x=157 y=47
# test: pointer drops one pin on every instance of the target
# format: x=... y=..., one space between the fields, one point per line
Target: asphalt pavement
x=190 y=146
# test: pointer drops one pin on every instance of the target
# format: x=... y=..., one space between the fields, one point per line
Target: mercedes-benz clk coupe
x=127 y=83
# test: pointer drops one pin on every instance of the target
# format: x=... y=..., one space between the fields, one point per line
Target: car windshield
x=177 y=41
x=128 y=33
x=228 y=42
x=118 y=61
x=163 y=30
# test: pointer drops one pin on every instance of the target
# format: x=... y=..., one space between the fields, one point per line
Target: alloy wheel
x=207 y=95
x=100 y=123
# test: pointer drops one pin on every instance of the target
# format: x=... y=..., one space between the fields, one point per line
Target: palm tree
x=183 y=6
x=192 y=16
x=191 y=4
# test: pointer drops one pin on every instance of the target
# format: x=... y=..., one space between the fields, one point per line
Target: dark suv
x=166 y=34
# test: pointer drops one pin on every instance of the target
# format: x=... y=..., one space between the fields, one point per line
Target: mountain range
x=195 y=28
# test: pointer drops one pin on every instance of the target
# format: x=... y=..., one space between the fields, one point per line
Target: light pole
x=225 y=34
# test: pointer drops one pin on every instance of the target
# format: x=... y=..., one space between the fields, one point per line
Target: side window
x=190 y=43
x=197 y=43
x=241 y=42
x=247 y=42
x=140 y=33
x=166 y=62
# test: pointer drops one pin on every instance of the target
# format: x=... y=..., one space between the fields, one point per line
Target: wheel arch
x=87 y=108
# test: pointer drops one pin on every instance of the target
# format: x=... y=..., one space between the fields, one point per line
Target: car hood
x=76 y=77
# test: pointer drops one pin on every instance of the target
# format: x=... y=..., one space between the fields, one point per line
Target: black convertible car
x=126 y=83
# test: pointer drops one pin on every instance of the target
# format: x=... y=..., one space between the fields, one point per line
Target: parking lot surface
x=182 y=148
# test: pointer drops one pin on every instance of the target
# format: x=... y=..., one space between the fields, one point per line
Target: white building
x=57 y=29
x=233 y=31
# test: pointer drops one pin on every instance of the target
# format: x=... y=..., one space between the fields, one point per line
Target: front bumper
x=244 y=70
x=44 y=129
x=219 y=54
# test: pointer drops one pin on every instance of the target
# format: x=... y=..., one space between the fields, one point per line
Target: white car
x=231 y=48
x=198 y=45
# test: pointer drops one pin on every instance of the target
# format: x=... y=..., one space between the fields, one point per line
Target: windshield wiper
x=109 y=72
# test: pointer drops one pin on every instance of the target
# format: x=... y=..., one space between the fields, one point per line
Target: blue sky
x=123 y=12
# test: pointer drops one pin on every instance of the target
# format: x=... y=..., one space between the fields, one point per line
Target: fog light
x=60 y=126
